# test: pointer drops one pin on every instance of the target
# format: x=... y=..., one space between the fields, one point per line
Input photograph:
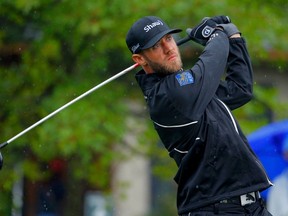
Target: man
x=218 y=174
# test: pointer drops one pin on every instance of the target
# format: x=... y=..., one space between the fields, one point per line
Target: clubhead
x=1 y=161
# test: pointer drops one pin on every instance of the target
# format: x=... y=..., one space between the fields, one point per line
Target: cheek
x=155 y=57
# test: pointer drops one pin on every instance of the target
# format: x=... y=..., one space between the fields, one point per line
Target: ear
x=139 y=59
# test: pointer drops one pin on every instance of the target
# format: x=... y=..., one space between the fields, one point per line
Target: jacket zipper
x=235 y=126
x=230 y=114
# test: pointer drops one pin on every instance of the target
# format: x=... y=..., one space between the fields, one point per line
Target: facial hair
x=165 y=69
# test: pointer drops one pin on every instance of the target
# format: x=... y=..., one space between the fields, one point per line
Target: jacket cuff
x=237 y=40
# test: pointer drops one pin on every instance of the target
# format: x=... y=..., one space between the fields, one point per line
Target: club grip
x=187 y=38
x=183 y=40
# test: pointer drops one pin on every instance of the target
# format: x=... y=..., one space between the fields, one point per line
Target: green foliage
x=265 y=107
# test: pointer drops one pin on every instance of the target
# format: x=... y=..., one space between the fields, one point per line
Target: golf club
x=65 y=106
x=2 y=145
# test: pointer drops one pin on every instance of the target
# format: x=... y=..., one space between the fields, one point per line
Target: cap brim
x=155 y=39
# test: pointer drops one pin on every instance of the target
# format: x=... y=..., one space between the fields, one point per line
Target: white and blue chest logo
x=184 y=78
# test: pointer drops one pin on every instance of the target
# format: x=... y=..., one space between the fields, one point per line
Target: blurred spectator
x=277 y=198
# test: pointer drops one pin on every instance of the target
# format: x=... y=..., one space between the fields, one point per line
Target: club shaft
x=69 y=103
x=180 y=42
x=183 y=40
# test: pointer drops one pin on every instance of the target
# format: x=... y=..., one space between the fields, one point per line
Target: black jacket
x=191 y=113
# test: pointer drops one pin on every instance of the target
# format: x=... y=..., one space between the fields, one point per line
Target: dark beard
x=161 y=69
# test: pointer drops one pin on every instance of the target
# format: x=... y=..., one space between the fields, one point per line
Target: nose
x=167 y=47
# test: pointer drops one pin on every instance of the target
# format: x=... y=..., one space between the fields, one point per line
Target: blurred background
x=101 y=156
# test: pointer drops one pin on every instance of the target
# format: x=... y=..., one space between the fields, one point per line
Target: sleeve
x=236 y=89
x=192 y=99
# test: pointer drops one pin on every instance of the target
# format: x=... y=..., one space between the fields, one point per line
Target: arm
x=207 y=72
x=237 y=88
x=189 y=92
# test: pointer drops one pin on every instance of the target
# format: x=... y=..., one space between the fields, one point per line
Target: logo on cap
x=148 y=27
x=135 y=47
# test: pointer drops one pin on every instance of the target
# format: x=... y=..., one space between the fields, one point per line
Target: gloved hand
x=230 y=29
x=202 y=32
x=221 y=19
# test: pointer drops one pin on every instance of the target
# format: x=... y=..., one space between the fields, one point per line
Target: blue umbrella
x=267 y=143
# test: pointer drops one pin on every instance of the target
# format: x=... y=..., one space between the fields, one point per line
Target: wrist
x=238 y=35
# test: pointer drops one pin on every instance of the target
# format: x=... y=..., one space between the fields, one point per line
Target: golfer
x=218 y=173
